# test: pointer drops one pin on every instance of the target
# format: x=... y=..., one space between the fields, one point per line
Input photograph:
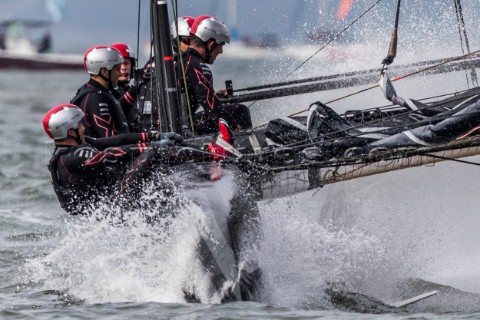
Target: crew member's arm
x=127 y=100
x=114 y=155
x=121 y=139
x=118 y=117
x=128 y=94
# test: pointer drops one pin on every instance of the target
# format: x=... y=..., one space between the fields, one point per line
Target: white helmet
x=60 y=119
x=208 y=27
x=184 y=26
x=99 y=57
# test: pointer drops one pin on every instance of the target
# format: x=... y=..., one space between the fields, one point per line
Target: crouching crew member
x=83 y=176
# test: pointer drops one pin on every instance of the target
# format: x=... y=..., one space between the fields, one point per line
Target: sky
x=90 y=22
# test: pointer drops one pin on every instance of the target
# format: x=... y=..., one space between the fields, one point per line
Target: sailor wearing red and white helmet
x=209 y=35
x=81 y=168
x=180 y=31
x=128 y=65
x=129 y=83
x=103 y=114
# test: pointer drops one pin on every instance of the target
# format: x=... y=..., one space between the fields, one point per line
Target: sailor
x=103 y=115
x=209 y=35
x=83 y=176
x=45 y=44
x=129 y=84
x=182 y=37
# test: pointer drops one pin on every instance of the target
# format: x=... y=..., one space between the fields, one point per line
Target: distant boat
x=18 y=51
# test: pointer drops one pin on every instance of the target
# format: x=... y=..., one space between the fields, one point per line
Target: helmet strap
x=77 y=137
x=110 y=84
x=107 y=80
x=209 y=51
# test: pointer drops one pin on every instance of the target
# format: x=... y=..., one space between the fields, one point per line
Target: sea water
x=389 y=236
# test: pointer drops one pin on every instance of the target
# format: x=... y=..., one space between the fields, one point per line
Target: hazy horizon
x=88 y=22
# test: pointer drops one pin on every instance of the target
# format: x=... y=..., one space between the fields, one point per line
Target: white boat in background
x=40 y=61
x=19 y=51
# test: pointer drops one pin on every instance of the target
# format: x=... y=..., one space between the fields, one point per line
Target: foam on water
x=373 y=233
x=300 y=256
x=311 y=247
x=304 y=256
x=113 y=261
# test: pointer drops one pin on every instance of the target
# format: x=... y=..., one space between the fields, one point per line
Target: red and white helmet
x=208 y=27
x=99 y=57
x=60 y=119
x=185 y=24
x=125 y=50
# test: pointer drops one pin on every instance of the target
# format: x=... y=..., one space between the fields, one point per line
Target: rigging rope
x=333 y=39
x=148 y=93
x=135 y=74
x=320 y=143
x=462 y=31
x=364 y=160
x=392 y=50
x=452 y=159
x=182 y=66
x=394 y=79
x=328 y=43
x=389 y=58
x=403 y=127
x=138 y=31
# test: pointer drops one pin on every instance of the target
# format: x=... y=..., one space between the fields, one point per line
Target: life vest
x=66 y=196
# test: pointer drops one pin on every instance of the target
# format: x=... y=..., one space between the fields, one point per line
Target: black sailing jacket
x=103 y=114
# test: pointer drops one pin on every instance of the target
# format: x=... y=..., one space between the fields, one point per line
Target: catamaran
x=227 y=173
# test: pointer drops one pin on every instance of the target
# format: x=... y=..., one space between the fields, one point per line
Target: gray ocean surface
x=389 y=236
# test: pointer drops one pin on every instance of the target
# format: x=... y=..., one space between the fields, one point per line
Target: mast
x=462 y=31
x=159 y=83
x=169 y=106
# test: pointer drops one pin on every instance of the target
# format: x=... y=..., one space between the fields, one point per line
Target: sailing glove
x=143 y=75
x=133 y=90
